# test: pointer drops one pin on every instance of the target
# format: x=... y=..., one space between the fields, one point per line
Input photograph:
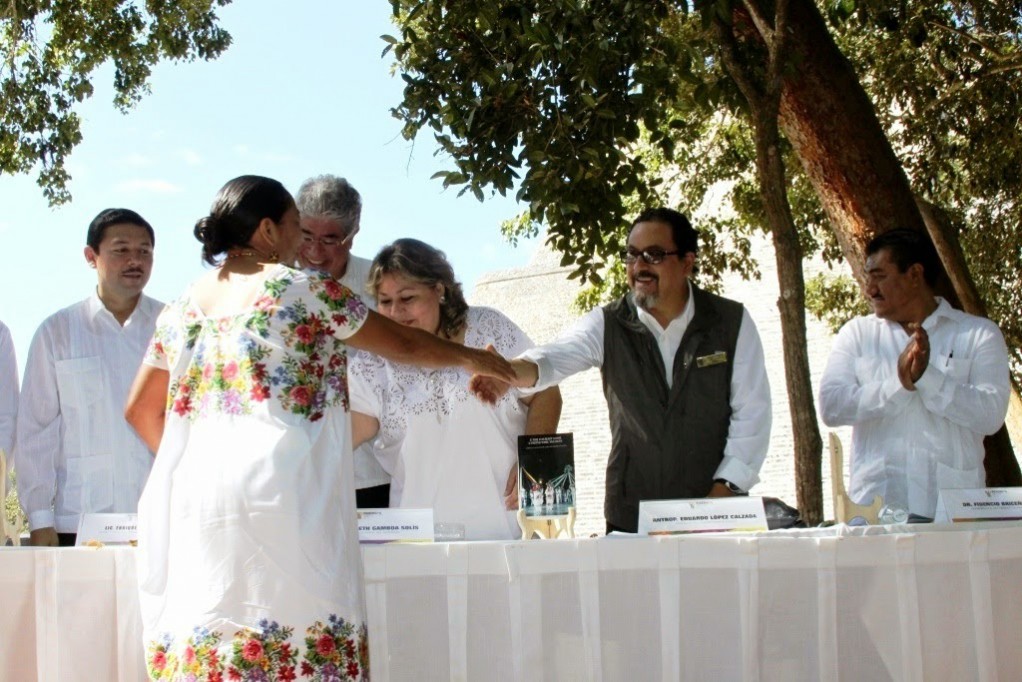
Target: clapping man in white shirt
x=75 y=453
x=920 y=383
x=683 y=374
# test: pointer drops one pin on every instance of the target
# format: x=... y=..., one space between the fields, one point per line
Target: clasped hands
x=490 y=389
x=915 y=358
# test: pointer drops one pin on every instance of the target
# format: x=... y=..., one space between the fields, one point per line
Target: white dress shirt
x=8 y=393
x=907 y=445
x=368 y=470
x=75 y=453
x=748 y=440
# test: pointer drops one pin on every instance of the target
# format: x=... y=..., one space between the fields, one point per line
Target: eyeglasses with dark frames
x=654 y=255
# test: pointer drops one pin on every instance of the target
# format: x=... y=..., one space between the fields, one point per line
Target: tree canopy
x=589 y=109
x=51 y=52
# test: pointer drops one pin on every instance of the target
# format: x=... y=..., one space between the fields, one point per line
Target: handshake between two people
x=491 y=387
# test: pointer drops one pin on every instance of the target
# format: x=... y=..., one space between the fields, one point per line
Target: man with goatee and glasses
x=683 y=374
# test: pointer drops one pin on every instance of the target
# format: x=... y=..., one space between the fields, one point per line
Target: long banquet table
x=881 y=603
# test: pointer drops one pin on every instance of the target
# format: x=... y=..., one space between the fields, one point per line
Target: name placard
x=978 y=504
x=107 y=529
x=395 y=525
x=703 y=515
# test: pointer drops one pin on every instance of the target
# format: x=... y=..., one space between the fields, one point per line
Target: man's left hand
x=720 y=490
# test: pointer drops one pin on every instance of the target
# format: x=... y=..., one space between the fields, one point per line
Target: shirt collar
x=96 y=309
x=943 y=309
x=681 y=320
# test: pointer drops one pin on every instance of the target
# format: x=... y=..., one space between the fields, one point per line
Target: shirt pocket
x=80 y=389
x=956 y=368
x=90 y=484
x=79 y=381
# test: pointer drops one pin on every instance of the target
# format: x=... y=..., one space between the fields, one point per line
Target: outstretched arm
x=412 y=346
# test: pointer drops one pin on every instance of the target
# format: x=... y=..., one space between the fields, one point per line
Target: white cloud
x=136 y=161
x=152 y=186
x=190 y=157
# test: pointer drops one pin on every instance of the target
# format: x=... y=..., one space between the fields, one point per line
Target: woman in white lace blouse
x=444 y=448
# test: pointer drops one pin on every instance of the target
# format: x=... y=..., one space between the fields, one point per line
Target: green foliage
x=550 y=96
x=947 y=81
x=835 y=299
x=592 y=110
x=51 y=51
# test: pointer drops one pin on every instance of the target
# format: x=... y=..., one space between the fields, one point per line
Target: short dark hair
x=237 y=210
x=907 y=247
x=422 y=263
x=686 y=239
x=114 y=216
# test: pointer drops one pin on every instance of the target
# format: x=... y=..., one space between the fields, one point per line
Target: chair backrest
x=8 y=531
x=844 y=509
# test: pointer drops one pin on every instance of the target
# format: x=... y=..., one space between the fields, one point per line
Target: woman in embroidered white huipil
x=444 y=448
x=249 y=567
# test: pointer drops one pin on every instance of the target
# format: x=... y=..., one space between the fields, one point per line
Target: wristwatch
x=730 y=486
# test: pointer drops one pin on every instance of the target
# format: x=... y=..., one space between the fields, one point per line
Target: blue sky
x=301 y=91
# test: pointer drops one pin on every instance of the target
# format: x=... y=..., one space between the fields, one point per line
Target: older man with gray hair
x=331 y=210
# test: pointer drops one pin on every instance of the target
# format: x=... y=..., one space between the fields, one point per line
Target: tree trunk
x=763 y=100
x=792 y=307
x=832 y=125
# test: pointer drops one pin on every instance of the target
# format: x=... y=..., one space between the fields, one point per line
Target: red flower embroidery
x=233 y=674
x=287 y=674
x=189 y=655
x=307 y=669
x=230 y=371
x=333 y=289
x=215 y=676
x=304 y=333
x=253 y=650
x=325 y=645
x=301 y=395
x=352 y=670
x=159 y=660
x=259 y=392
x=182 y=405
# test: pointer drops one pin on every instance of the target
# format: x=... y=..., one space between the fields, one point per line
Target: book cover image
x=546 y=474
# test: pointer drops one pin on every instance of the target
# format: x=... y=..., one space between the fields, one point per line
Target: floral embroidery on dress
x=198 y=659
x=231 y=379
x=334 y=652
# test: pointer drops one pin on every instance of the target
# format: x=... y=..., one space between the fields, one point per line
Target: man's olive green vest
x=666 y=443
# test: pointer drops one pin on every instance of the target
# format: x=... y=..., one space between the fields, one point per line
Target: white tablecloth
x=924 y=603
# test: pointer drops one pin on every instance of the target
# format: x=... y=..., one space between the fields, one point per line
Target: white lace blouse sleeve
x=366 y=380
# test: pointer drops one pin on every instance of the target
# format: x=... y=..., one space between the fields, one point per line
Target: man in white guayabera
x=920 y=383
x=74 y=452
